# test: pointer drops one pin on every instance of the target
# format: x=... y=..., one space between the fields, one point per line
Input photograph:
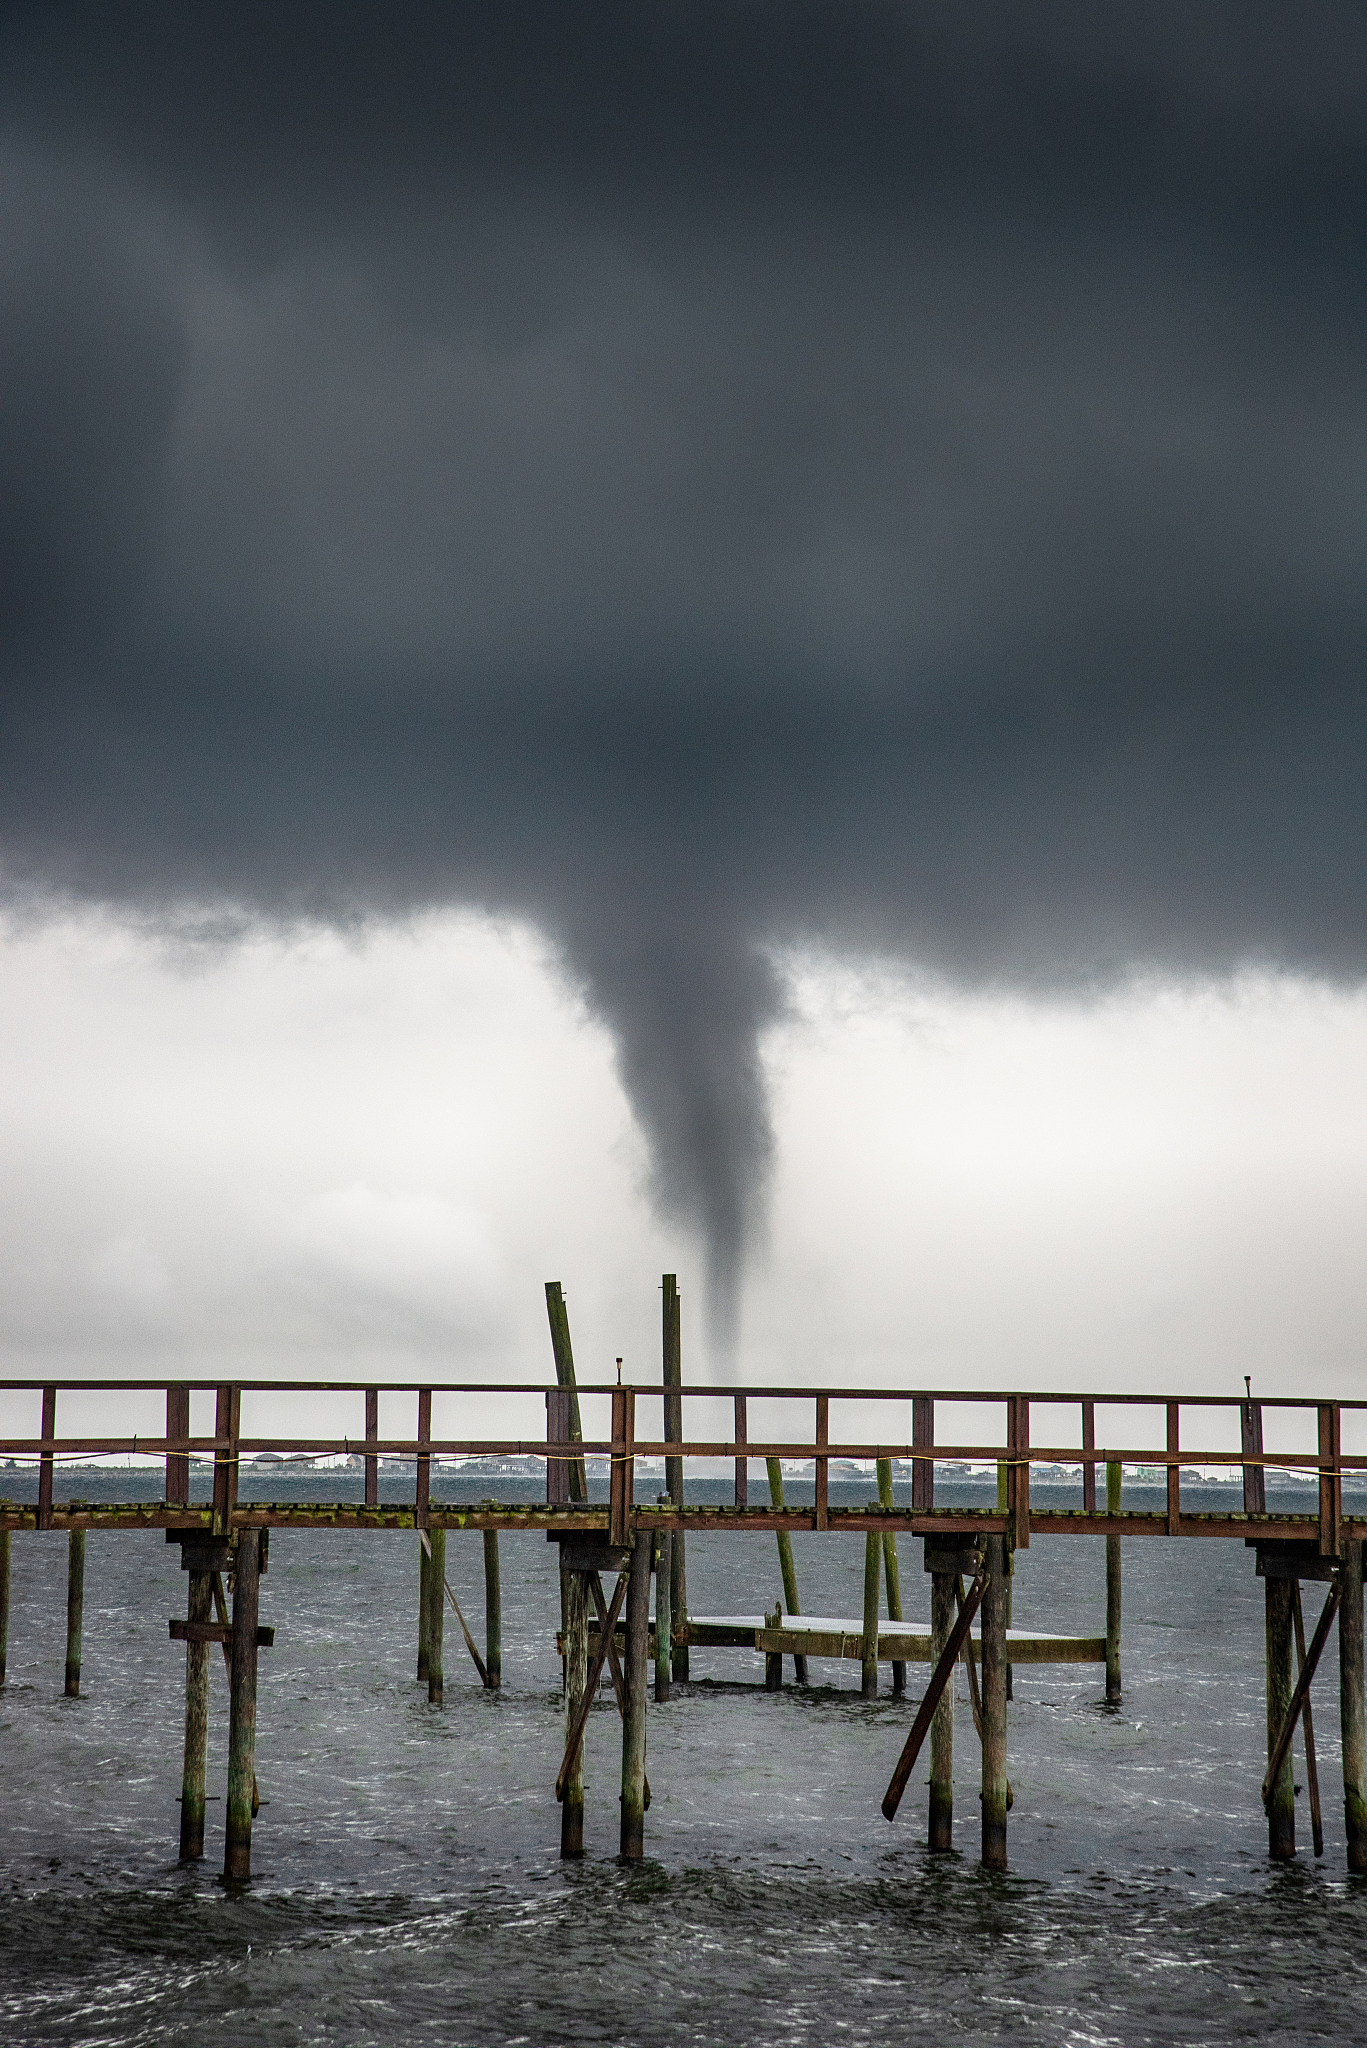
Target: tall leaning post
x=633 y=1843
x=237 y=1848
x=198 y=1607
x=576 y=1678
x=994 y=1792
x=493 y=1613
x=672 y=1354
x=1112 y=1589
x=75 y=1611
x=1352 y=1714
x=1281 y=1798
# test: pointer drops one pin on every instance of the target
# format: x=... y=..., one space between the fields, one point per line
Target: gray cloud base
x=699 y=478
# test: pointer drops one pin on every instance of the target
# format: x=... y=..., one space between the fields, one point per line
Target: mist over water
x=407 y=1879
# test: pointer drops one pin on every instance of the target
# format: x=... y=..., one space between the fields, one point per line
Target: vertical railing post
x=742 y=1458
x=1018 y=1470
x=423 y=1487
x=1174 y=1470
x=372 y=1436
x=227 y=1430
x=1088 y=1464
x=177 y=1462
x=1331 y=1480
x=1251 y=1444
x=922 y=1439
x=822 y=1463
x=45 y=1454
x=621 y=1482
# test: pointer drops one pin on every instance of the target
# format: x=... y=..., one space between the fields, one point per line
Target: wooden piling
x=664 y=1545
x=672 y=1359
x=424 y=1609
x=894 y=1582
x=237 y=1851
x=1003 y=1505
x=576 y=1674
x=1352 y=1712
x=1281 y=1795
x=493 y=1614
x=199 y=1607
x=436 y=1614
x=995 y=1790
x=4 y=1602
x=873 y=1562
x=1113 y=1588
x=787 y=1568
x=942 y=1617
x=632 y=1847
x=75 y=1610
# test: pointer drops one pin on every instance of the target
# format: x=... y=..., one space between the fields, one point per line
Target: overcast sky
x=725 y=637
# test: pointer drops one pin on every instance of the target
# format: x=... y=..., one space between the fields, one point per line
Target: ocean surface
x=407 y=1882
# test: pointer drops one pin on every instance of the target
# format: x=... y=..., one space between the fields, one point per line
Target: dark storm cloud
x=702 y=477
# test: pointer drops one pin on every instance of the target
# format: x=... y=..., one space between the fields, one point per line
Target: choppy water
x=407 y=1882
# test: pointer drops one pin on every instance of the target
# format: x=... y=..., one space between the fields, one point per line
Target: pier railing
x=563 y=1450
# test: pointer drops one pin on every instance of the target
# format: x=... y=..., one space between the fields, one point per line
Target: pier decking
x=968 y=1554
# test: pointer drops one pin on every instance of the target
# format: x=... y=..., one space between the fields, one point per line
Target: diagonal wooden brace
x=1302 y=1689
x=940 y=1678
x=595 y=1672
x=1312 y=1775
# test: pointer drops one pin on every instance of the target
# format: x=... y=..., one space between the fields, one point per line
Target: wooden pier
x=609 y=1552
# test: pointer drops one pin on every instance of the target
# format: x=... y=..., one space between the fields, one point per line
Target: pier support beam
x=75 y=1610
x=1113 y=1589
x=237 y=1850
x=664 y=1566
x=1281 y=1678
x=995 y=1789
x=873 y=1561
x=576 y=1677
x=885 y=1498
x=436 y=1614
x=493 y=1614
x=199 y=1607
x=424 y=1609
x=942 y=1727
x=634 y=1705
x=4 y=1602
x=1352 y=1714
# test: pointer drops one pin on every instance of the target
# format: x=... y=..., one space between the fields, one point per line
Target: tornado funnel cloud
x=688 y=1010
